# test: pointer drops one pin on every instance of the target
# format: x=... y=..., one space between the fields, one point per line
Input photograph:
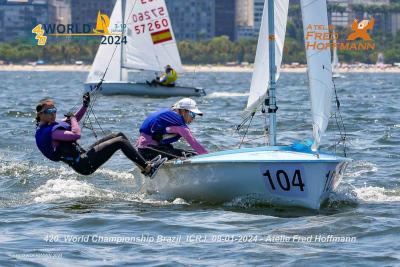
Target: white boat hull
x=145 y=90
x=279 y=177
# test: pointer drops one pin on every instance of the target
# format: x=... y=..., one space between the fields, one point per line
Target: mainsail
x=260 y=80
x=314 y=14
x=151 y=43
x=105 y=53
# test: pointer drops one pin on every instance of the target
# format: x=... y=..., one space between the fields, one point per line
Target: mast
x=123 y=5
x=272 y=74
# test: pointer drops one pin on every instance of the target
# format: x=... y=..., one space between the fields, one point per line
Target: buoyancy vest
x=43 y=141
x=171 y=77
x=157 y=123
x=65 y=151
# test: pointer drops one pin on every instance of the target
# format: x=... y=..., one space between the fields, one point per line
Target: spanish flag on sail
x=161 y=36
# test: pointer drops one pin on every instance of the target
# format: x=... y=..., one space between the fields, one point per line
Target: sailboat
x=335 y=60
x=146 y=43
x=296 y=175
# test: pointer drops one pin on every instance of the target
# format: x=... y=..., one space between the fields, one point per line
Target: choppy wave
x=117 y=175
x=246 y=202
x=18 y=114
x=226 y=95
x=359 y=168
x=61 y=189
x=350 y=195
x=343 y=196
x=376 y=194
x=180 y=201
x=64 y=184
x=18 y=168
x=67 y=189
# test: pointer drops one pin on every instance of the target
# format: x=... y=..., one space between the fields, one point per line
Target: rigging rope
x=240 y=126
x=166 y=153
x=340 y=124
x=87 y=123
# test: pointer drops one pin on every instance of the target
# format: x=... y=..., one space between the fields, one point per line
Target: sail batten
x=314 y=12
x=260 y=79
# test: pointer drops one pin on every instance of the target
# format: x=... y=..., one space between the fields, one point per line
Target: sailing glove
x=68 y=117
x=86 y=100
x=69 y=114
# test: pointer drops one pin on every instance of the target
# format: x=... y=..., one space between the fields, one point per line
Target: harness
x=69 y=152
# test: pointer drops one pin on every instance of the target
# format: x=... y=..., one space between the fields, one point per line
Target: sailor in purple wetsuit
x=58 y=142
x=161 y=129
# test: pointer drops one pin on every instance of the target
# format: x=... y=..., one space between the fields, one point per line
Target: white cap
x=187 y=104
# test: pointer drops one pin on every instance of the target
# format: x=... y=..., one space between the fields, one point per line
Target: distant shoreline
x=198 y=68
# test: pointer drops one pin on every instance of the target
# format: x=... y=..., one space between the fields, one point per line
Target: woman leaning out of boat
x=58 y=142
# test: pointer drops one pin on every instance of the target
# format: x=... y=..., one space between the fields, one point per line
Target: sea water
x=51 y=216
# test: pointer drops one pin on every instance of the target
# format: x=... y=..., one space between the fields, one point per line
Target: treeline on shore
x=220 y=50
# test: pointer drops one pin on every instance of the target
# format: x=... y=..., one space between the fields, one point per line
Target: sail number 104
x=283 y=180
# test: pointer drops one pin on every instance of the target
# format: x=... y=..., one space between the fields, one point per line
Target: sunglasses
x=50 y=111
x=192 y=114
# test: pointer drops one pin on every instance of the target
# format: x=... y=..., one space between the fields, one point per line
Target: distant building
x=395 y=23
x=85 y=12
x=244 y=19
x=198 y=20
x=245 y=32
x=258 y=12
x=192 y=19
x=225 y=12
x=18 y=17
x=250 y=22
x=62 y=11
x=336 y=17
x=244 y=13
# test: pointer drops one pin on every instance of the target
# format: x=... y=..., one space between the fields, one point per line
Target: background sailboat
x=335 y=60
x=150 y=46
x=284 y=175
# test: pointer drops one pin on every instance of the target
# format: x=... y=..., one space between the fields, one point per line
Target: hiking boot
x=155 y=159
x=155 y=166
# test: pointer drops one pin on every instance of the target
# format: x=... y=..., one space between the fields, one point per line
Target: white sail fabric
x=314 y=13
x=260 y=80
x=105 y=54
x=335 y=60
x=151 y=43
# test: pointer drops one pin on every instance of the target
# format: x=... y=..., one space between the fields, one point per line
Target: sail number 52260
x=286 y=181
